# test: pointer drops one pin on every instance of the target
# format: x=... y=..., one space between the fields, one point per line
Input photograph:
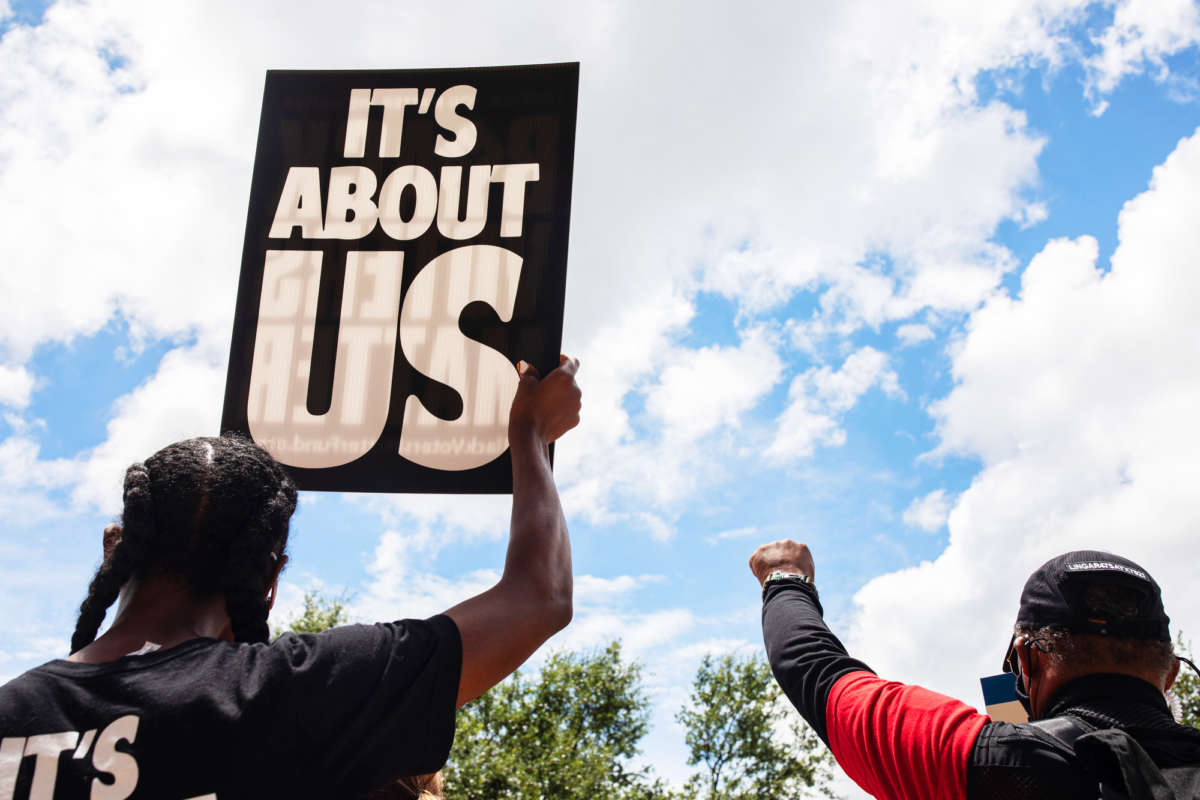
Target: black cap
x=1055 y=597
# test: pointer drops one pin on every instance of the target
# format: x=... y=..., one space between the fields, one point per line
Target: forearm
x=531 y=602
x=539 y=549
x=501 y=627
x=805 y=656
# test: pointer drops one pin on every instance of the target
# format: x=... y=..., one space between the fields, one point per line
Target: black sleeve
x=805 y=656
x=365 y=704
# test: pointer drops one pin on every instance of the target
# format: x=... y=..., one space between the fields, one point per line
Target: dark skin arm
x=502 y=626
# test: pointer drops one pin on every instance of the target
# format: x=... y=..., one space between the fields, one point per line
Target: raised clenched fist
x=782 y=556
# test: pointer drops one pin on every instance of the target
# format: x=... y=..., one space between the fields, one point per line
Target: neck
x=1109 y=691
x=160 y=610
x=1058 y=680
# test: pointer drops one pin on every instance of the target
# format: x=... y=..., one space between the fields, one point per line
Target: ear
x=110 y=540
x=273 y=581
x=1024 y=656
x=1172 y=674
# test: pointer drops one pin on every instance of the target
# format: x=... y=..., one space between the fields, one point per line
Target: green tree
x=1187 y=685
x=567 y=733
x=750 y=743
x=320 y=613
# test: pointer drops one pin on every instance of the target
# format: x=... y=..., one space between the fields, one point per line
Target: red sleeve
x=899 y=741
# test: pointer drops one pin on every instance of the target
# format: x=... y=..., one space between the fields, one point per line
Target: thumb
x=529 y=376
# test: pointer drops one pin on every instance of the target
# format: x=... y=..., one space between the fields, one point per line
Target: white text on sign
x=372 y=308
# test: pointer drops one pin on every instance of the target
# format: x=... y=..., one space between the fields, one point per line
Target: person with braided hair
x=183 y=698
x=206 y=515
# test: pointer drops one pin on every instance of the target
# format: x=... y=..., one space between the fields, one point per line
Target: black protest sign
x=406 y=245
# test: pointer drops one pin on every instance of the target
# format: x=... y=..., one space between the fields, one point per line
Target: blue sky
x=846 y=277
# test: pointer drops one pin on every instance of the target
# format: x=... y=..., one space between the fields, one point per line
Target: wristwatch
x=787 y=576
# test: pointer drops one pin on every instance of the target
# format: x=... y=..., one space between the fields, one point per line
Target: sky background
x=915 y=283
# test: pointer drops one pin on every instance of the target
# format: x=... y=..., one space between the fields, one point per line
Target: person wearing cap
x=1092 y=655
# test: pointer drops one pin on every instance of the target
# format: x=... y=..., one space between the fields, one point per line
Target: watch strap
x=787 y=577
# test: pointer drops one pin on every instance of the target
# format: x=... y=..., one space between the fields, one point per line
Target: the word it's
x=356 y=201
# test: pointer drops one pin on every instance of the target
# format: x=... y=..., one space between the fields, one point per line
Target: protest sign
x=406 y=245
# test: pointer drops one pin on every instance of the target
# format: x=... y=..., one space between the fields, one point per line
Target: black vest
x=1027 y=761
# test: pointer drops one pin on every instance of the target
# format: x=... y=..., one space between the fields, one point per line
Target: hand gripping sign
x=406 y=245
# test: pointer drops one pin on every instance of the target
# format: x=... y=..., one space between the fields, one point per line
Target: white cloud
x=914 y=333
x=820 y=396
x=689 y=395
x=700 y=390
x=862 y=370
x=112 y=179
x=27 y=481
x=1079 y=398
x=660 y=530
x=591 y=590
x=181 y=400
x=16 y=386
x=734 y=533
x=38 y=649
x=638 y=632
x=1143 y=34
x=403 y=583
x=120 y=114
x=929 y=512
x=441 y=519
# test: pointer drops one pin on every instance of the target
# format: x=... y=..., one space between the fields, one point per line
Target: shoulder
x=1176 y=746
x=410 y=635
x=20 y=695
x=1023 y=760
x=404 y=646
x=60 y=695
x=1009 y=743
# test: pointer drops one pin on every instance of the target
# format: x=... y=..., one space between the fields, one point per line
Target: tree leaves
x=567 y=733
x=570 y=731
x=1187 y=685
x=750 y=743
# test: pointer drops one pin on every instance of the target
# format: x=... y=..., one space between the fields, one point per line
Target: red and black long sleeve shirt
x=902 y=741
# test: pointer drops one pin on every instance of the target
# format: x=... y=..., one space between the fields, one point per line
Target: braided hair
x=213 y=511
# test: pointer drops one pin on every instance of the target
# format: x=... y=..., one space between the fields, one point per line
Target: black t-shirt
x=328 y=715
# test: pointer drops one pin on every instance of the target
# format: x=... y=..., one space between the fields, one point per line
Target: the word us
x=372 y=310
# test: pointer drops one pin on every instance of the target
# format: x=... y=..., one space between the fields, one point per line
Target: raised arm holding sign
x=406 y=243
x=501 y=627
